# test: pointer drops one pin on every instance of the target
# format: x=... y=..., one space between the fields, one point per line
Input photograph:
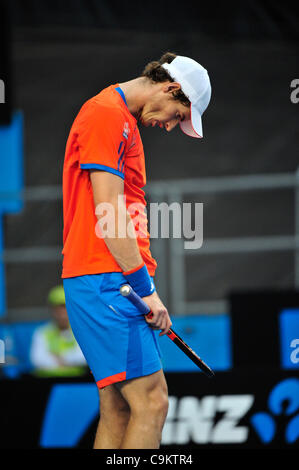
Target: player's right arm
x=107 y=188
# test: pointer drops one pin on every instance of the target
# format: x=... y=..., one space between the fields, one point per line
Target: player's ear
x=170 y=87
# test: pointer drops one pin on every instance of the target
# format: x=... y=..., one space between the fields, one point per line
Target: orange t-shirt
x=104 y=136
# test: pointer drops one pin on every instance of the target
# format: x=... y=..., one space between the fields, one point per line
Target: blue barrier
x=17 y=339
x=2 y=273
x=11 y=182
x=289 y=338
x=208 y=335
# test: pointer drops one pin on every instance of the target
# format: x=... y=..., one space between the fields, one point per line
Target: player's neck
x=136 y=93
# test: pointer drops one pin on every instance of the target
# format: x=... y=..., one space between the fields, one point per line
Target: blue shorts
x=113 y=335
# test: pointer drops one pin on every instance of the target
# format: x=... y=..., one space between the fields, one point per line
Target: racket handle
x=128 y=292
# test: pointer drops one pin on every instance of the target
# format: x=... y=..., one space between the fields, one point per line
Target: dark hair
x=157 y=74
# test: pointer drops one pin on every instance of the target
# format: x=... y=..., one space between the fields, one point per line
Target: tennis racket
x=131 y=295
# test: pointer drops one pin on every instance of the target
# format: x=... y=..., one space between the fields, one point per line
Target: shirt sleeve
x=102 y=144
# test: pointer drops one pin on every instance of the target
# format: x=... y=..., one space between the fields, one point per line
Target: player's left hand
x=158 y=318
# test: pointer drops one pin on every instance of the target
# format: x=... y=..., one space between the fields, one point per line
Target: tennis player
x=104 y=164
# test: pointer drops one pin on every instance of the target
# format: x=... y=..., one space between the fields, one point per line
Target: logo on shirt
x=126 y=130
x=133 y=139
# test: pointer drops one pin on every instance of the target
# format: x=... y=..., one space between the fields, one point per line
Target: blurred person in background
x=54 y=350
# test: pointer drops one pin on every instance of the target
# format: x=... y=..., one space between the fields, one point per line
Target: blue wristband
x=140 y=281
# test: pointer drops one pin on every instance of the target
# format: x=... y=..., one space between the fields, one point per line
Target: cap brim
x=193 y=127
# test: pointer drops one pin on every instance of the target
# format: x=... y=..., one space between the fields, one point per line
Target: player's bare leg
x=148 y=400
x=114 y=418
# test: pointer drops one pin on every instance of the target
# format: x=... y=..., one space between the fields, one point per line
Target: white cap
x=195 y=84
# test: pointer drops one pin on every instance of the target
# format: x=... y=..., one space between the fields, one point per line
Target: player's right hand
x=159 y=318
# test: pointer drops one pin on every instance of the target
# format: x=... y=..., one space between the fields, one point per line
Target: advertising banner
x=257 y=409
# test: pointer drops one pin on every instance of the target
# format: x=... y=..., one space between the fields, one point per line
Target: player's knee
x=158 y=404
x=153 y=406
x=154 y=412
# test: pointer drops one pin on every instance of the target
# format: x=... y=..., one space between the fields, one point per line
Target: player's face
x=164 y=111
